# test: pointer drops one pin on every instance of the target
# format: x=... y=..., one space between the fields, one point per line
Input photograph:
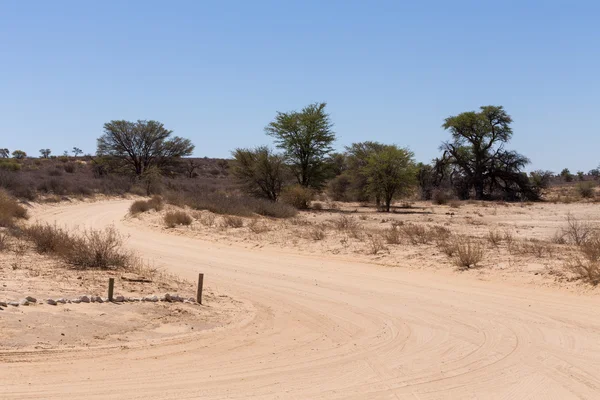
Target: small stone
x=13 y=303
x=99 y=299
x=24 y=302
x=51 y=302
x=61 y=300
x=84 y=299
x=31 y=299
x=167 y=297
x=3 y=304
x=119 y=299
x=104 y=299
x=76 y=301
x=191 y=300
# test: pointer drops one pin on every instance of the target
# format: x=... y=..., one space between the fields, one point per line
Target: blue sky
x=217 y=71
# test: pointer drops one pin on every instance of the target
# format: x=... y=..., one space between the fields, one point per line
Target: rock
x=104 y=299
x=51 y=302
x=99 y=299
x=152 y=299
x=191 y=300
x=76 y=301
x=13 y=303
x=92 y=299
x=135 y=278
x=24 y=302
x=3 y=304
x=61 y=300
x=119 y=299
x=84 y=299
x=167 y=297
x=31 y=299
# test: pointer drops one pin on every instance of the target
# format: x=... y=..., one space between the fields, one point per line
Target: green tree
x=4 y=153
x=45 y=153
x=566 y=175
x=76 y=151
x=594 y=173
x=357 y=158
x=477 y=149
x=19 y=154
x=141 y=145
x=305 y=138
x=580 y=175
x=260 y=171
x=391 y=173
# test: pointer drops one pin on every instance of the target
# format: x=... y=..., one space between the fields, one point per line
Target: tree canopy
x=142 y=144
x=306 y=139
x=477 y=153
x=260 y=171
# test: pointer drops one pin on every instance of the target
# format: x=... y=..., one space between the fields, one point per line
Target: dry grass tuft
x=258 y=227
x=230 y=221
x=317 y=232
x=495 y=237
x=174 y=218
x=376 y=244
x=140 y=206
x=468 y=254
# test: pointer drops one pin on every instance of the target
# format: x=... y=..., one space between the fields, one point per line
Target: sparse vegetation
x=468 y=253
x=10 y=210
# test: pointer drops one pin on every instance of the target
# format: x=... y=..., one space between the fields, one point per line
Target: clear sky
x=217 y=71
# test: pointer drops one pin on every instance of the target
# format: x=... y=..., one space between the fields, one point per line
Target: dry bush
x=230 y=221
x=393 y=236
x=298 y=197
x=317 y=232
x=586 y=189
x=376 y=245
x=535 y=248
x=207 y=219
x=317 y=206
x=10 y=210
x=577 y=232
x=4 y=245
x=441 y=197
x=139 y=206
x=101 y=249
x=345 y=223
x=416 y=234
x=454 y=204
x=588 y=271
x=449 y=246
x=93 y=249
x=174 y=218
x=468 y=254
x=157 y=203
x=495 y=237
x=258 y=227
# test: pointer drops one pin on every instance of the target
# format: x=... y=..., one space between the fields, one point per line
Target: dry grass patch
x=174 y=218
x=91 y=249
x=140 y=206
x=10 y=210
x=231 y=221
x=376 y=244
x=317 y=232
x=258 y=227
x=495 y=237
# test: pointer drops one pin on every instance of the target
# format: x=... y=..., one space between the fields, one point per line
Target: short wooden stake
x=200 y=284
x=111 y=288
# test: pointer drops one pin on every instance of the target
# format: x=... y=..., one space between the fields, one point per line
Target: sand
x=322 y=326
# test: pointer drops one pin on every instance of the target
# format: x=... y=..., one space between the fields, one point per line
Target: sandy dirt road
x=324 y=328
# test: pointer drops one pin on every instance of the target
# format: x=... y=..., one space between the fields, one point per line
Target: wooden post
x=200 y=284
x=111 y=287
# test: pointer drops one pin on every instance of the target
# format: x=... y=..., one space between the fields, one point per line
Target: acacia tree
x=477 y=150
x=141 y=145
x=76 y=151
x=45 y=152
x=4 y=153
x=357 y=158
x=19 y=154
x=391 y=173
x=260 y=170
x=306 y=138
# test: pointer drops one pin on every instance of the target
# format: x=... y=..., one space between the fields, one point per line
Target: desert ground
x=328 y=305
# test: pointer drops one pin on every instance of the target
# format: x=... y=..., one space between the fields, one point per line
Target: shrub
x=93 y=249
x=576 y=232
x=3 y=241
x=139 y=206
x=156 y=203
x=230 y=221
x=174 y=218
x=376 y=245
x=69 y=168
x=416 y=234
x=10 y=210
x=586 y=189
x=393 y=236
x=468 y=254
x=10 y=165
x=586 y=266
x=297 y=196
x=495 y=237
x=257 y=227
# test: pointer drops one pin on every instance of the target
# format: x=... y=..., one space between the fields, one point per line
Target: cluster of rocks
x=170 y=298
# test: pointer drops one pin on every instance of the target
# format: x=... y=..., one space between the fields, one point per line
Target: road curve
x=321 y=328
